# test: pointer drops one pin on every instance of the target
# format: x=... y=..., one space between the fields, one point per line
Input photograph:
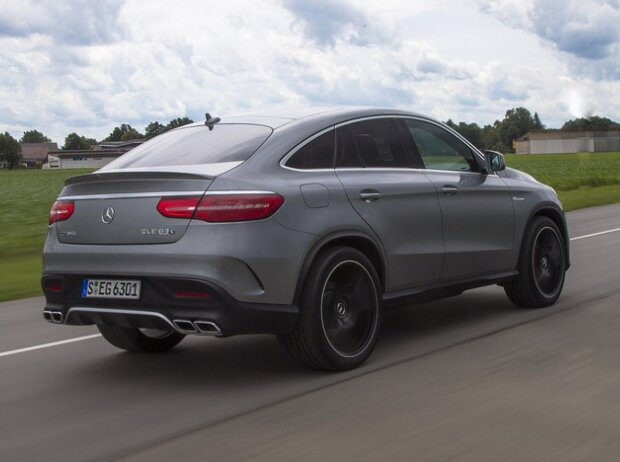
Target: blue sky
x=87 y=66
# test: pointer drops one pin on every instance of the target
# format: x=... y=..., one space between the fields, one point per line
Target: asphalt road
x=467 y=378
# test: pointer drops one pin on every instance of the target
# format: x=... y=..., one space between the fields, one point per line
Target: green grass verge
x=589 y=197
x=581 y=180
x=20 y=277
x=25 y=200
x=565 y=172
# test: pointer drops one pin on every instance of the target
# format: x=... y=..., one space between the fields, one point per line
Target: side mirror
x=496 y=160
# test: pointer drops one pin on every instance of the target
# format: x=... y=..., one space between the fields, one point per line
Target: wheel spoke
x=349 y=308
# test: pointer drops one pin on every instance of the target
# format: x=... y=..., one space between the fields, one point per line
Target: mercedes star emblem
x=108 y=215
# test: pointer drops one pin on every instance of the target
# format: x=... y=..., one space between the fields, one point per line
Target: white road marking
x=48 y=345
x=595 y=234
x=88 y=337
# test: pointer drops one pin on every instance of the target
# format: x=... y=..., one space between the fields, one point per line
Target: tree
x=132 y=134
x=471 y=131
x=590 y=123
x=77 y=142
x=537 y=123
x=10 y=150
x=34 y=136
x=118 y=133
x=516 y=123
x=153 y=129
x=178 y=122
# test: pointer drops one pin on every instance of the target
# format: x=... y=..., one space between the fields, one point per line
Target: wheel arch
x=554 y=213
x=356 y=240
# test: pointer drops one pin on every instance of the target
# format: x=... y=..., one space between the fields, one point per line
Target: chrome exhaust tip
x=57 y=317
x=207 y=328
x=47 y=315
x=184 y=326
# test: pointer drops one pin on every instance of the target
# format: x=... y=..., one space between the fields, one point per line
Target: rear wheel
x=542 y=266
x=340 y=312
x=140 y=340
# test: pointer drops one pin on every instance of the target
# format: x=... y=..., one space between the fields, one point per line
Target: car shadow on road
x=252 y=360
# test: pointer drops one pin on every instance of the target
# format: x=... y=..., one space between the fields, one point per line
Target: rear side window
x=196 y=145
x=371 y=143
x=318 y=153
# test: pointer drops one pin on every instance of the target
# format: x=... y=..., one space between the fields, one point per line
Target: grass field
x=26 y=198
x=581 y=180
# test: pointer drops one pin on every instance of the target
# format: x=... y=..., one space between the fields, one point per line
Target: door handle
x=369 y=196
x=449 y=189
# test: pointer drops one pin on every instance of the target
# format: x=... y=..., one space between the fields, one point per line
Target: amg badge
x=157 y=232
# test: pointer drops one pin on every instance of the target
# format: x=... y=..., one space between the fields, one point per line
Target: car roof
x=328 y=114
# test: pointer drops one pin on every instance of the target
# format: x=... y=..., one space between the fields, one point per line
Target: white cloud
x=134 y=62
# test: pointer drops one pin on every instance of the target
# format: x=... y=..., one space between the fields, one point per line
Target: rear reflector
x=221 y=208
x=192 y=294
x=61 y=210
x=53 y=286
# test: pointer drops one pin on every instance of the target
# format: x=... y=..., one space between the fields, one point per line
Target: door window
x=440 y=149
x=371 y=143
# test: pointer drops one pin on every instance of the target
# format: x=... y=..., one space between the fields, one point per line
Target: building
x=94 y=158
x=568 y=141
x=36 y=153
x=82 y=158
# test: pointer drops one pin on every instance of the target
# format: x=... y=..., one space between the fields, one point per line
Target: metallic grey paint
x=429 y=228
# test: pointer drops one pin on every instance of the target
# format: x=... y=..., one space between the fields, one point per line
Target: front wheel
x=140 y=340
x=340 y=312
x=542 y=266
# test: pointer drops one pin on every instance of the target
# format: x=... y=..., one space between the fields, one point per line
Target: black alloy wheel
x=348 y=307
x=340 y=312
x=542 y=266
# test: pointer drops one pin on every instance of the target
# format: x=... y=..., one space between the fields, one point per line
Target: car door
x=477 y=209
x=386 y=186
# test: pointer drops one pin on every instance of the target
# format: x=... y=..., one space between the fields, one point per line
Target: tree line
x=497 y=136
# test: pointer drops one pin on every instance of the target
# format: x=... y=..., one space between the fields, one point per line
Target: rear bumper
x=213 y=312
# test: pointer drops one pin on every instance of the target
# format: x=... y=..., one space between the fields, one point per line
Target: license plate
x=111 y=288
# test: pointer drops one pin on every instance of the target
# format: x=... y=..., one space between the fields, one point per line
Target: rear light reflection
x=53 y=286
x=222 y=208
x=192 y=294
x=61 y=210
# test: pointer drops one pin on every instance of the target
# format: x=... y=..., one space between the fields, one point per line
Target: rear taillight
x=61 y=210
x=237 y=207
x=178 y=207
x=220 y=208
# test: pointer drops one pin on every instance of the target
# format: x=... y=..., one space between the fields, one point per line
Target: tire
x=542 y=266
x=340 y=312
x=140 y=340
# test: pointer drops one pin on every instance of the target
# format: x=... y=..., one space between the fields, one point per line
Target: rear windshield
x=196 y=145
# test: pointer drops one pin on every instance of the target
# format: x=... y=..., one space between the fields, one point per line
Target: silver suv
x=303 y=225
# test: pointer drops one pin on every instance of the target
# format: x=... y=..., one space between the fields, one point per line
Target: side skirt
x=437 y=291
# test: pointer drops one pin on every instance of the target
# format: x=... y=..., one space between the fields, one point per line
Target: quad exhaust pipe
x=55 y=317
x=188 y=327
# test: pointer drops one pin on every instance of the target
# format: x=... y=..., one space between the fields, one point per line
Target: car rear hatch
x=118 y=204
x=121 y=208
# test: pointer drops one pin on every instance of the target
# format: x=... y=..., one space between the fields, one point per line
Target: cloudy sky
x=86 y=66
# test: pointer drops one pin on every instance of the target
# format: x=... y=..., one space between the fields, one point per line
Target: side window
x=439 y=149
x=371 y=143
x=318 y=153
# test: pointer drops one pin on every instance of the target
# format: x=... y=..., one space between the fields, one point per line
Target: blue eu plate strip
x=84 y=287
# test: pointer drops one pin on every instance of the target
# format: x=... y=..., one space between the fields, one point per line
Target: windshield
x=196 y=145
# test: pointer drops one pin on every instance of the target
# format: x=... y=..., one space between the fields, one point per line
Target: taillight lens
x=237 y=207
x=178 y=207
x=61 y=210
x=221 y=208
